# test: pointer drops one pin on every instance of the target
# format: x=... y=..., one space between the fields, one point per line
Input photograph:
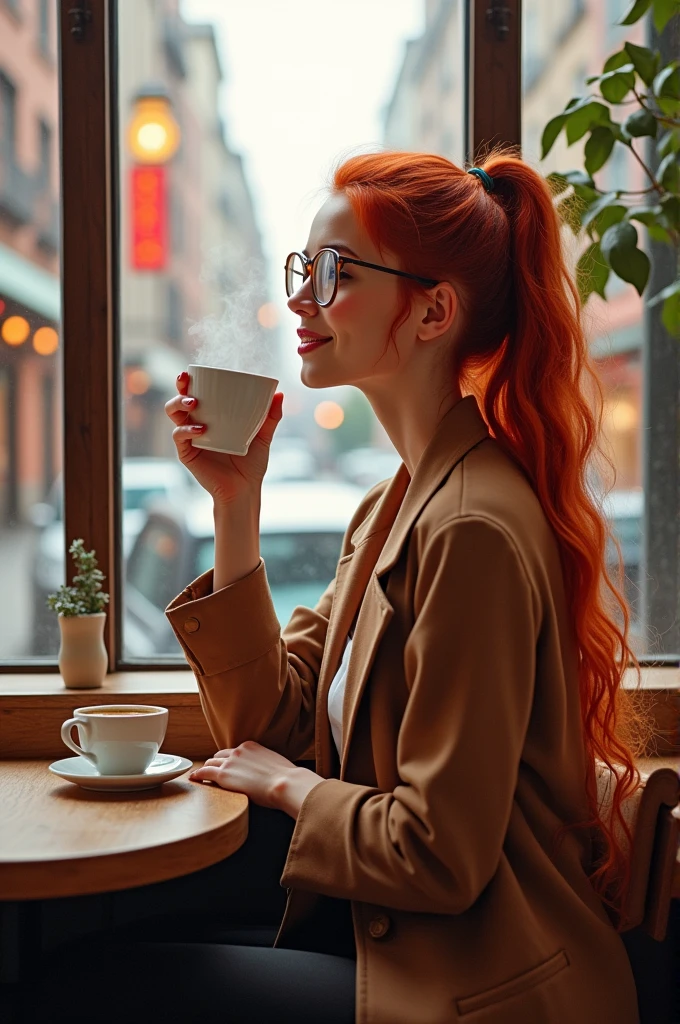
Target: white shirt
x=336 y=696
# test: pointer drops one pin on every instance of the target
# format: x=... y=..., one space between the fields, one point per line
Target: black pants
x=198 y=949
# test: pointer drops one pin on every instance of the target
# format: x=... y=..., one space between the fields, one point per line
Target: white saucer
x=79 y=770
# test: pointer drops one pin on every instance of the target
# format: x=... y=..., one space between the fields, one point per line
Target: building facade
x=211 y=234
x=562 y=44
x=30 y=364
x=426 y=110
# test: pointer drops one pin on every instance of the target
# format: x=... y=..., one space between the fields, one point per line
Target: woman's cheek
x=345 y=308
x=349 y=312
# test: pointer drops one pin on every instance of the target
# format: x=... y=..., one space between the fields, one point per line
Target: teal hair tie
x=486 y=179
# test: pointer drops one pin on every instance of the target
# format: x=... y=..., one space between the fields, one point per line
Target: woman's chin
x=314 y=377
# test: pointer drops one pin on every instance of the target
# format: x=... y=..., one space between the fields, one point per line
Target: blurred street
x=16 y=613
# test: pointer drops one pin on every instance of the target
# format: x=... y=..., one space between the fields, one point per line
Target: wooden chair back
x=652 y=813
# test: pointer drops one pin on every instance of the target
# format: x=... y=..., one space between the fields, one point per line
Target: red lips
x=310 y=336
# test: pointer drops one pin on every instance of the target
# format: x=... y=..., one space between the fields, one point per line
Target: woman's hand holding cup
x=225 y=477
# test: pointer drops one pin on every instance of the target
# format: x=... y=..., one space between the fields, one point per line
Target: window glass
x=563 y=45
x=138 y=497
x=299 y=566
x=207 y=221
x=31 y=524
x=44 y=10
x=289 y=557
x=153 y=570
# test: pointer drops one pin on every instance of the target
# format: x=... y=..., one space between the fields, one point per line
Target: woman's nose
x=302 y=301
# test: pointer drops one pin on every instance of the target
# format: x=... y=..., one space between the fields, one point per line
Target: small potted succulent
x=82 y=655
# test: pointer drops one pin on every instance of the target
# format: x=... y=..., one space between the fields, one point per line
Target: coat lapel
x=378 y=542
x=351 y=581
x=460 y=430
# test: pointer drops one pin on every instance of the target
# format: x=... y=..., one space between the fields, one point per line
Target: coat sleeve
x=434 y=843
x=255 y=682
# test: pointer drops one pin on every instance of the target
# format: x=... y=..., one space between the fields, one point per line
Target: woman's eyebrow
x=339 y=246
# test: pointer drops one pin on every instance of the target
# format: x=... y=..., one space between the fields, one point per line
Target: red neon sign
x=149 y=228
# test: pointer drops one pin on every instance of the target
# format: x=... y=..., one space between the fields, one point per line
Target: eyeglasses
x=325 y=270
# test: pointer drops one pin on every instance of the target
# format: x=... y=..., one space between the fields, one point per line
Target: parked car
x=143 y=480
x=368 y=466
x=302 y=525
x=290 y=458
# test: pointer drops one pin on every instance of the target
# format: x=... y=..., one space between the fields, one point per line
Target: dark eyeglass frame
x=340 y=261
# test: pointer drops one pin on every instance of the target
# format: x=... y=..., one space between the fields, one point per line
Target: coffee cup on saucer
x=117 y=739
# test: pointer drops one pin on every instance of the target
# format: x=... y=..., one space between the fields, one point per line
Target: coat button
x=191 y=625
x=379 y=926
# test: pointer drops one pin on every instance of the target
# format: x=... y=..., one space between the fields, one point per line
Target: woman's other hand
x=225 y=477
x=264 y=776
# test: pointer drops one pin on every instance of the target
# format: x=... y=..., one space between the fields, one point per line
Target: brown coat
x=462 y=746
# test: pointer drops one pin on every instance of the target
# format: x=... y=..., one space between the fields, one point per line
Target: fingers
x=276 y=408
x=208 y=774
x=274 y=417
x=186 y=431
x=212 y=767
x=180 y=408
x=182 y=436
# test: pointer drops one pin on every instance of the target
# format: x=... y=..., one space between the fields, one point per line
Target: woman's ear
x=440 y=308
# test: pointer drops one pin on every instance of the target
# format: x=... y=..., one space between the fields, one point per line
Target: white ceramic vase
x=82 y=655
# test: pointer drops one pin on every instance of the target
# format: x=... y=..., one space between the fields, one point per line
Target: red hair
x=525 y=358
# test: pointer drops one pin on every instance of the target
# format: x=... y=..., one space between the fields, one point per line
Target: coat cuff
x=318 y=840
x=221 y=631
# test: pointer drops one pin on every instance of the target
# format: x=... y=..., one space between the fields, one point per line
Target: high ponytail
x=522 y=352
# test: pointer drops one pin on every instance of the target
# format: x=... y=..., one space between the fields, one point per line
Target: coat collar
x=377 y=543
x=461 y=429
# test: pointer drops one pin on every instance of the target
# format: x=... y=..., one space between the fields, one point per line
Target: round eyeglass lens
x=295 y=273
x=324 y=276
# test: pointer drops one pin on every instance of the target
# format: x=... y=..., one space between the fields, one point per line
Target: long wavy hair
x=521 y=350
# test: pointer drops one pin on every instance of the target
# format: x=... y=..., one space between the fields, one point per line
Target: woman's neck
x=410 y=416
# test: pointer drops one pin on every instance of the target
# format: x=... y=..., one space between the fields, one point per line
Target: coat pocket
x=515 y=986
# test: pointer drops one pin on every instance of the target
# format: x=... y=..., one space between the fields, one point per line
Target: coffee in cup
x=126 y=711
x=232 y=404
x=118 y=739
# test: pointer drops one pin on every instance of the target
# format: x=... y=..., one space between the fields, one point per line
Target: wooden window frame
x=90 y=292
x=89 y=279
x=493 y=71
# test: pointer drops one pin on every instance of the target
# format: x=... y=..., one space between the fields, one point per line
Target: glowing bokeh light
x=138 y=381
x=329 y=415
x=45 y=341
x=268 y=315
x=622 y=415
x=154 y=134
x=15 y=330
x=152 y=137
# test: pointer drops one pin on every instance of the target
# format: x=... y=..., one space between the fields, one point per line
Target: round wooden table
x=57 y=839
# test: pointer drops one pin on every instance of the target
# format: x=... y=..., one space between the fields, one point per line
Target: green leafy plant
x=83 y=597
x=636 y=76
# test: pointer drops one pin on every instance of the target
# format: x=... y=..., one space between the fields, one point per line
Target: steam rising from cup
x=235 y=340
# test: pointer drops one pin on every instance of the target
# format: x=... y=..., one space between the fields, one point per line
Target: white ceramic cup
x=232 y=404
x=118 y=739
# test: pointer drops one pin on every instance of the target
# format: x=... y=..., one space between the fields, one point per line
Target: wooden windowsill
x=50 y=684
x=34 y=705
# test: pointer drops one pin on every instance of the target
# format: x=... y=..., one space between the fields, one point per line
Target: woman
x=454 y=771
x=460 y=676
